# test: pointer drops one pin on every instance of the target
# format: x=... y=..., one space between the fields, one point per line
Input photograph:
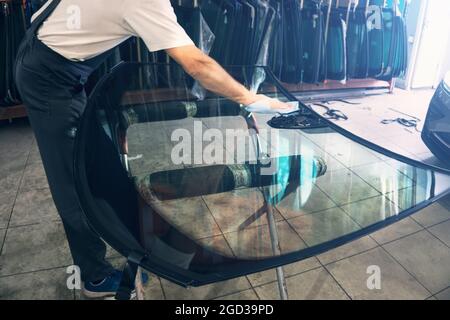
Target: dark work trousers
x=52 y=89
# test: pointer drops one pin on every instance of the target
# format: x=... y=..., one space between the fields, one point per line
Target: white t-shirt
x=83 y=29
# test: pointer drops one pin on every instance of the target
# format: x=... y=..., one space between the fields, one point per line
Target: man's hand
x=274 y=103
x=214 y=78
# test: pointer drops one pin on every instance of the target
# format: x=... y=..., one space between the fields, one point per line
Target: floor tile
x=345 y=251
x=232 y=209
x=40 y=285
x=323 y=226
x=405 y=169
x=425 y=257
x=445 y=202
x=434 y=214
x=34 y=177
x=397 y=230
x=183 y=212
x=304 y=200
x=9 y=182
x=370 y=211
x=12 y=163
x=316 y=284
x=260 y=278
x=442 y=232
x=117 y=262
x=2 y=237
x=6 y=206
x=34 y=247
x=409 y=197
x=34 y=156
x=352 y=154
x=343 y=187
x=111 y=253
x=243 y=295
x=254 y=243
x=396 y=283
x=383 y=177
x=217 y=244
x=212 y=291
x=34 y=206
x=444 y=295
x=153 y=289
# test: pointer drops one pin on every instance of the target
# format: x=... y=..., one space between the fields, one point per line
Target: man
x=66 y=42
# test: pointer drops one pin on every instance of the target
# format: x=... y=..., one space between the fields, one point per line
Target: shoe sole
x=103 y=295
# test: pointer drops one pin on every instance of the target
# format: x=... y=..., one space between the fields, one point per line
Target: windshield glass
x=218 y=193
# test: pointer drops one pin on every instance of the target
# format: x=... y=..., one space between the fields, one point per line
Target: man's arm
x=214 y=78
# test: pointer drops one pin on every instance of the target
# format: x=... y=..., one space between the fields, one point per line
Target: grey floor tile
x=34 y=177
x=323 y=226
x=12 y=162
x=397 y=230
x=260 y=278
x=153 y=289
x=442 y=232
x=2 y=237
x=111 y=253
x=118 y=262
x=33 y=248
x=191 y=216
x=40 y=285
x=212 y=291
x=9 y=182
x=345 y=251
x=316 y=284
x=383 y=177
x=6 y=206
x=217 y=244
x=444 y=295
x=370 y=211
x=343 y=187
x=35 y=155
x=434 y=214
x=396 y=283
x=34 y=206
x=256 y=242
x=232 y=209
x=353 y=154
x=445 y=202
x=243 y=295
x=301 y=202
x=425 y=257
x=409 y=197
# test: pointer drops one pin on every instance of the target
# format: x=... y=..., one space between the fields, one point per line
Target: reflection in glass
x=209 y=189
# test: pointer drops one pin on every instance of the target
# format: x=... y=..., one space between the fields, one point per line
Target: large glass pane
x=210 y=192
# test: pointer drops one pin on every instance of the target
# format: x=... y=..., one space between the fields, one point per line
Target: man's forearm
x=211 y=75
x=214 y=78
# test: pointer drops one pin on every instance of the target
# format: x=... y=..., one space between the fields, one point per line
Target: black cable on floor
x=408 y=123
x=404 y=122
x=332 y=114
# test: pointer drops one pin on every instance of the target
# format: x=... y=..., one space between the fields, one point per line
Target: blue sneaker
x=108 y=286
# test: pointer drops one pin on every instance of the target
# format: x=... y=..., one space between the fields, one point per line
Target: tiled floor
x=413 y=255
x=366 y=121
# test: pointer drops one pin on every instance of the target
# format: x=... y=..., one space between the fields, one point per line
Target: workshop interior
x=213 y=201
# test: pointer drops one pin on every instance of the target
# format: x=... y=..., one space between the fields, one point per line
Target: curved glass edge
x=354 y=137
x=188 y=278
